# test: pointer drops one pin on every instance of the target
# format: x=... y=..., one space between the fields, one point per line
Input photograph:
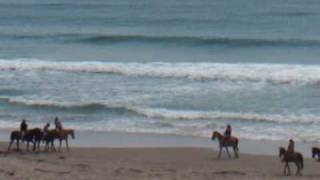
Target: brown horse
x=316 y=152
x=32 y=135
x=295 y=157
x=61 y=135
x=225 y=143
x=49 y=137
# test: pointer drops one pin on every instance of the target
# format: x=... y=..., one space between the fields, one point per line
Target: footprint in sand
x=230 y=173
x=120 y=171
x=136 y=171
x=62 y=157
x=40 y=160
x=82 y=166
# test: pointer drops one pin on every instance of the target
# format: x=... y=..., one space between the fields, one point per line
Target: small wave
x=269 y=73
x=100 y=39
x=292 y=14
x=189 y=40
x=96 y=106
x=169 y=114
x=204 y=115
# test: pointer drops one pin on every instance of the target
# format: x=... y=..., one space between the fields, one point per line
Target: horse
x=225 y=143
x=32 y=135
x=61 y=135
x=316 y=152
x=49 y=137
x=295 y=157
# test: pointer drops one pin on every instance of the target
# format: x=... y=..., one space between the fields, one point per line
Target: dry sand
x=144 y=163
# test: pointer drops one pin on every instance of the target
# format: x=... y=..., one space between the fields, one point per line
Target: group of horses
x=286 y=157
x=36 y=135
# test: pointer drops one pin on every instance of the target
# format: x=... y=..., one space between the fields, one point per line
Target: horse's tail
x=300 y=157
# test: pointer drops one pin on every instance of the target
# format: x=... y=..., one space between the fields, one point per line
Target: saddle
x=226 y=140
x=291 y=155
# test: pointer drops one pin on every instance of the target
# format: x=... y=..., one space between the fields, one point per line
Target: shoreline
x=92 y=139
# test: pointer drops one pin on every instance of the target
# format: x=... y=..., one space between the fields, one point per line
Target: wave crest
x=270 y=73
x=217 y=115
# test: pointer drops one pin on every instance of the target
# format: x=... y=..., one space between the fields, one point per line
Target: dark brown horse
x=316 y=152
x=31 y=135
x=61 y=135
x=287 y=157
x=225 y=143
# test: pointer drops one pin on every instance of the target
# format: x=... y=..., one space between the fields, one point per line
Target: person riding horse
x=58 y=124
x=291 y=147
x=45 y=129
x=23 y=129
x=227 y=133
x=290 y=155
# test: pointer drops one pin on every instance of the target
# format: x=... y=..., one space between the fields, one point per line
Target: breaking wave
x=270 y=73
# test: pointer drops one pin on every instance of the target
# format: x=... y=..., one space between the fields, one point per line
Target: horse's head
x=215 y=135
x=282 y=151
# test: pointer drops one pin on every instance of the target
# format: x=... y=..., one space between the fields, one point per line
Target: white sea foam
x=217 y=115
x=272 y=73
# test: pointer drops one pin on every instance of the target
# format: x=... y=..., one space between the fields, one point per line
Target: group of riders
x=228 y=132
x=24 y=127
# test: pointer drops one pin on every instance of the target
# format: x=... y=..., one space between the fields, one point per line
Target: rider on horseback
x=58 y=124
x=23 y=129
x=291 y=147
x=45 y=129
x=227 y=133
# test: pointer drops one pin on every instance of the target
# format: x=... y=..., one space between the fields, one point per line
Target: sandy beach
x=149 y=162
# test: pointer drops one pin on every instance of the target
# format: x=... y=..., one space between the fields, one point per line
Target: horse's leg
x=39 y=145
x=298 y=168
x=10 y=144
x=67 y=144
x=285 y=169
x=289 y=171
x=235 y=152
x=60 y=141
x=18 y=142
x=46 y=146
x=219 y=155
x=52 y=146
x=34 y=146
x=228 y=151
x=27 y=146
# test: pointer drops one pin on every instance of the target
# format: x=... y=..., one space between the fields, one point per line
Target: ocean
x=181 y=67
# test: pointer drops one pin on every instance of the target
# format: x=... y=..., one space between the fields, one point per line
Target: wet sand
x=171 y=163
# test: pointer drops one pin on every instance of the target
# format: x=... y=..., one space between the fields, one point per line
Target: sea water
x=184 y=67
